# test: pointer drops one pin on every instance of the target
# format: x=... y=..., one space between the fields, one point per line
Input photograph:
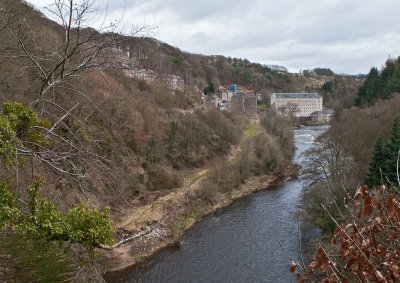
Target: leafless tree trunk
x=61 y=64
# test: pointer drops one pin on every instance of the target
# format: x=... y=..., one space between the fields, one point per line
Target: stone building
x=211 y=102
x=300 y=104
x=173 y=82
x=322 y=116
x=245 y=103
x=225 y=94
x=148 y=76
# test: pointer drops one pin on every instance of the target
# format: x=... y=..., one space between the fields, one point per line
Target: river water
x=239 y=243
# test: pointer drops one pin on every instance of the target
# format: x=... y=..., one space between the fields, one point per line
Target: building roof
x=297 y=95
x=328 y=111
x=325 y=112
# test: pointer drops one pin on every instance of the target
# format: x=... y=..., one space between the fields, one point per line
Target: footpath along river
x=239 y=243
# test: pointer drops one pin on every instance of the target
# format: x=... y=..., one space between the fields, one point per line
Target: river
x=239 y=243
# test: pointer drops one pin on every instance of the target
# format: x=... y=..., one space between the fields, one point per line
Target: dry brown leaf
x=293 y=267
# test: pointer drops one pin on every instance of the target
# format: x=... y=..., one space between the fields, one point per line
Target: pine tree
x=391 y=153
x=377 y=162
x=368 y=91
x=380 y=85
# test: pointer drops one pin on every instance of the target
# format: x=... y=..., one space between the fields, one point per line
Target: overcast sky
x=348 y=36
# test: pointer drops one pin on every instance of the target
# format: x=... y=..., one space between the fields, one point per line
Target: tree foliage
x=383 y=166
x=323 y=71
x=391 y=154
x=20 y=128
x=327 y=86
x=78 y=225
x=210 y=88
x=380 y=85
x=377 y=160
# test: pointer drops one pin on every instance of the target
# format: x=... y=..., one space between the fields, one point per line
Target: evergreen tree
x=392 y=84
x=327 y=86
x=368 y=91
x=377 y=162
x=380 y=85
x=387 y=72
x=391 y=153
x=210 y=88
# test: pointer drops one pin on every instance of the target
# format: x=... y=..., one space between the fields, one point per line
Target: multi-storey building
x=301 y=104
x=173 y=82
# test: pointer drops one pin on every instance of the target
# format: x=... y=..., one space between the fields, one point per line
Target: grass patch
x=182 y=223
x=262 y=106
x=251 y=131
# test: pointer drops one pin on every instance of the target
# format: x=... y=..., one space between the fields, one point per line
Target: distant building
x=225 y=94
x=173 y=82
x=226 y=99
x=211 y=101
x=322 y=116
x=148 y=76
x=244 y=103
x=301 y=104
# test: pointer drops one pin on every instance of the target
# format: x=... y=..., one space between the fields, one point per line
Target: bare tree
x=327 y=163
x=63 y=63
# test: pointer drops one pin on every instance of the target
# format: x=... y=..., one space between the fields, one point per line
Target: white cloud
x=346 y=36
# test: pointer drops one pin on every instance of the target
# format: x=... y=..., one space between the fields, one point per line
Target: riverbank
x=162 y=223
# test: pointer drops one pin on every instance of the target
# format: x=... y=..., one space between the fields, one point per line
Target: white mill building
x=301 y=104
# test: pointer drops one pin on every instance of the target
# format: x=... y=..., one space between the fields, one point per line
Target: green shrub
x=79 y=225
x=9 y=213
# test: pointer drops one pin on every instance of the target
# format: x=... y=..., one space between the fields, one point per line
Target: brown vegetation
x=356 y=130
x=365 y=243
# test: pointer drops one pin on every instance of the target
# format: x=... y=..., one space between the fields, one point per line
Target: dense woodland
x=380 y=85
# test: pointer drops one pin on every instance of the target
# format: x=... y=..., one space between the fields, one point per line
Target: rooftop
x=325 y=111
x=297 y=95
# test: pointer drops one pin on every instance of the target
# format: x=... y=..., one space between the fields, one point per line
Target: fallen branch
x=147 y=231
x=134 y=236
